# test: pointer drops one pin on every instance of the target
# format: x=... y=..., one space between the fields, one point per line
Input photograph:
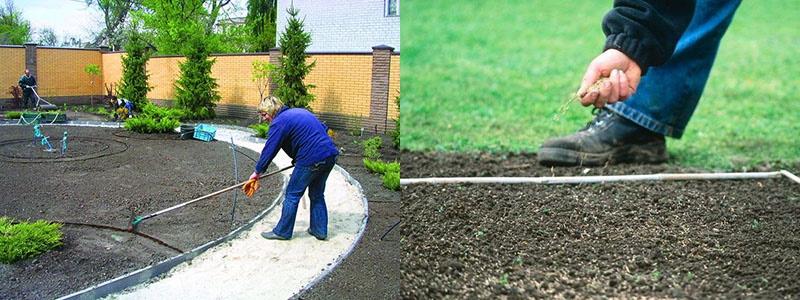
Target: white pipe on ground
x=790 y=176
x=601 y=179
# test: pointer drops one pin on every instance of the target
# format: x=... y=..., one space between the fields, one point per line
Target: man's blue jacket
x=298 y=132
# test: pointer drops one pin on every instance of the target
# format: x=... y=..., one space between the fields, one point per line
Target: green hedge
x=144 y=124
x=389 y=170
x=156 y=119
x=372 y=147
x=103 y=111
x=157 y=112
x=261 y=129
x=381 y=167
x=391 y=180
x=25 y=240
x=395 y=134
x=13 y=114
x=17 y=114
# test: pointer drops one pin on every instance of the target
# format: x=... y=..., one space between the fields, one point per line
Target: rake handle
x=139 y=219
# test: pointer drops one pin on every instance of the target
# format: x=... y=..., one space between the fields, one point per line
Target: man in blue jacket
x=305 y=139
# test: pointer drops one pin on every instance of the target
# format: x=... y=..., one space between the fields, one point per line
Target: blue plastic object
x=205 y=132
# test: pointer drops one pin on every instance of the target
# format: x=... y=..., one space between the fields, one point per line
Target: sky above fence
x=65 y=17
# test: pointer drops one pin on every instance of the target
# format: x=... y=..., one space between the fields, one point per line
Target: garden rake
x=136 y=220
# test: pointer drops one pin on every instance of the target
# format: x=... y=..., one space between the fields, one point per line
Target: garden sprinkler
x=136 y=220
x=64 y=144
x=46 y=142
x=37 y=133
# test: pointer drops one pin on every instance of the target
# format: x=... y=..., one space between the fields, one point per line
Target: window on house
x=392 y=8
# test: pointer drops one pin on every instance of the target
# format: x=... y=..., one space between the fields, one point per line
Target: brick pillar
x=379 y=96
x=275 y=60
x=30 y=58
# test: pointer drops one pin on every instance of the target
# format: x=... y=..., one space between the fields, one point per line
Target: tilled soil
x=692 y=239
x=372 y=271
x=152 y=173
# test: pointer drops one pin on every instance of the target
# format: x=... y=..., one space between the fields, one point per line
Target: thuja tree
x=293 y=68
x=196 y=90
x=134 y=75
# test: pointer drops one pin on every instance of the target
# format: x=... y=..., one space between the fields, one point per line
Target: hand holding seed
x=612 y=76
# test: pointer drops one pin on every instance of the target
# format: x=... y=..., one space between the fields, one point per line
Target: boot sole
x=651 y=153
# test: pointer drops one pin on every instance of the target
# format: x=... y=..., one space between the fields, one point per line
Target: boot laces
x=601 y=116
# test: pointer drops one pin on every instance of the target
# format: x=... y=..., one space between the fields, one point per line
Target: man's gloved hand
x=251 y=186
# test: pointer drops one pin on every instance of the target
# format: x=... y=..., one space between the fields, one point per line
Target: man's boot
x=608 y=139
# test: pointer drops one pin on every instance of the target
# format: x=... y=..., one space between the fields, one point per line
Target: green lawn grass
x=490 y=76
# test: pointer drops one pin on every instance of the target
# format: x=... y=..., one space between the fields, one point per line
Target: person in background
x=27 y=82
x=674 y=43
x=304 y=138
x=129 y=108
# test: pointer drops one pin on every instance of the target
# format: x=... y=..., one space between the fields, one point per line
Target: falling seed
x=575 y=97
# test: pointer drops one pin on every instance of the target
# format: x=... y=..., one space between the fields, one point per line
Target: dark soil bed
x=695 y=239
x=146 y=173
x=372 y=271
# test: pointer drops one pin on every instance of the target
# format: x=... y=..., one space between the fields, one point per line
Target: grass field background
x=490 y=76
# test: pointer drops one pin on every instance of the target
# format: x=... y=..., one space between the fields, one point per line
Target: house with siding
x=346 y=25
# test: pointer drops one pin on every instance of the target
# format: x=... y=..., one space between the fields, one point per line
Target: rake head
x=134 y=221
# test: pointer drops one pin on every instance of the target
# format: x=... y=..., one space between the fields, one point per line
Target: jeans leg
x=668 y=95
x=316 y=192
x=298 y=182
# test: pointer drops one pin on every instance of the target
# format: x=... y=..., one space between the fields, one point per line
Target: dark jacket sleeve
x=271 y=147
x=647 y=30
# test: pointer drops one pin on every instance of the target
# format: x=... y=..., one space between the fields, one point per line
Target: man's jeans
x=312 y=177
x=667 y=96
x=27 y=100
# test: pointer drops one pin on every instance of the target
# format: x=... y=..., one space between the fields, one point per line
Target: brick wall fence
x=353 y=90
